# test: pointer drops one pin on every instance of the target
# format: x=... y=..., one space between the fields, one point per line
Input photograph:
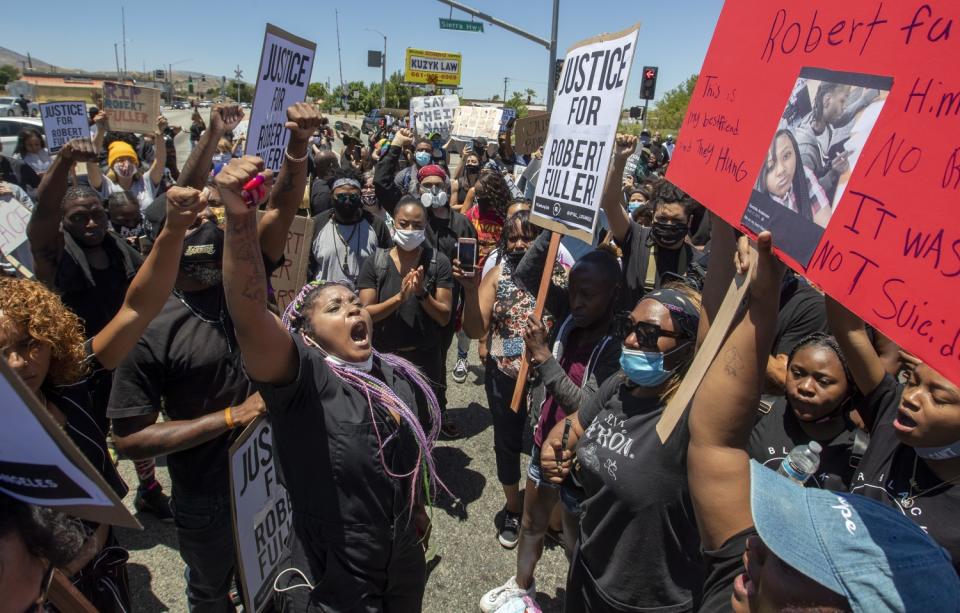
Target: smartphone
x=467 y=254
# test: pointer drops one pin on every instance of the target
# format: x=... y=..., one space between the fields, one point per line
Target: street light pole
x=550 y=45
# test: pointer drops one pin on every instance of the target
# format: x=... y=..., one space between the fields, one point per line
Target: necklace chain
x=910 y=498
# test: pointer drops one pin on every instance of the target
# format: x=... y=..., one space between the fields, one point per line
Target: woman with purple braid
x=355 y=459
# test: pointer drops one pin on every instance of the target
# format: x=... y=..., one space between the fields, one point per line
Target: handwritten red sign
x=837 y=126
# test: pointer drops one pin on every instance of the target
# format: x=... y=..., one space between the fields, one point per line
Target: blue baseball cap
x=871 y=554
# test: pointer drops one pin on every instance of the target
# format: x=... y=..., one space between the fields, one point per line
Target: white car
x=10 y=128
x=9 y=107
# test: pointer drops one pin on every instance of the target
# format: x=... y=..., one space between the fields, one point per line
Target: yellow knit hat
x=119 y=149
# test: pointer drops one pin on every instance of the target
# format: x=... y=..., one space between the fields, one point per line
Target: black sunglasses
x=648 y=334
x=350 y=198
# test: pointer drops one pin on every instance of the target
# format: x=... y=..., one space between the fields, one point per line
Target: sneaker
x=449 y=430
x=499 y=596
x=460 y=370
x=152 y=500
x=510 y=530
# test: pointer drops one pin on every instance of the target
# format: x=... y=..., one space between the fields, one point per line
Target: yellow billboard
x=432 y=67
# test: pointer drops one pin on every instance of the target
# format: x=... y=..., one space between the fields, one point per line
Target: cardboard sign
x=131 y=108
x=476 y=121
x=286 y=64
x=40 y=465
x=433 y=114
x=583 y=128
x=14 y=217
x=530 y=132
x=509 y=114
x=63 y=121
x=289 y=279
x=432 y=67
x=862 y=95
x=262 y=519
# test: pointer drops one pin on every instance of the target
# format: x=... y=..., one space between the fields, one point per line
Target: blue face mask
x=644 y=368
x=422 y=158
x=633 y=206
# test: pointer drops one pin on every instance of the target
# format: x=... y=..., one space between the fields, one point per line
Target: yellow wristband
x=228 y=417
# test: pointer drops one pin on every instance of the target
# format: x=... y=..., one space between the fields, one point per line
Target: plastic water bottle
x=802 y=462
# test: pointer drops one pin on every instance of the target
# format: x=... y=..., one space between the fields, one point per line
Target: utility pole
x=550 y=45
x=237 y=74
x=505 y=79
x=123 y=18
x=116 y=57
x=339 y=59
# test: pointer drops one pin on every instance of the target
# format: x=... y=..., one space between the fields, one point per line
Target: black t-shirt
x=888 y=466
x=723 y=566
x=409 y=325
x=638 y=536
x=18 y=172
x=444 y=233
x=802 y=312
x=187 y=364
x=98 y=302
x=326 y=434
x=320 y=198
x=779 y=431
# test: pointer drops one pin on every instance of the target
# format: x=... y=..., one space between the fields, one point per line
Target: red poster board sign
x=837 y=126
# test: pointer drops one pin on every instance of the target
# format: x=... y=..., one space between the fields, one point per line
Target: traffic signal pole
x=550 y=45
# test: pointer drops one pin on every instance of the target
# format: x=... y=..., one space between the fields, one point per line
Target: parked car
x=10 y=127
x=9 y=107
x=372 y=121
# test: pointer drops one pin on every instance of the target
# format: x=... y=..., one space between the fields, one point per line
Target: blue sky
x=216 y=36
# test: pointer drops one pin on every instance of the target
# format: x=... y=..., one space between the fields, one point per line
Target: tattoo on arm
x=252 y=277
x=732 y=362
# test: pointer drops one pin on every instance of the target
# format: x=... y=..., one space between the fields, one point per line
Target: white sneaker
x=497 y=597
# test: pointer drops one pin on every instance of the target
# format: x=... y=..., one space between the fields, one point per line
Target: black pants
x=430 y=362
x=446 y=339
x=582 y=594
x=507 y=425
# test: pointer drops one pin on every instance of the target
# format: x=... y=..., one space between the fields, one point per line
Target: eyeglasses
x=647 y=334
x=28 y=347
x=38 y=605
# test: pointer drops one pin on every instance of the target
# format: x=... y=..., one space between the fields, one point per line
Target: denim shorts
x=535 y=471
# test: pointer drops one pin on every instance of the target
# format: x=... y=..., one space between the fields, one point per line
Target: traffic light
x=559 y=72
x=159 y=75
x=648 y=85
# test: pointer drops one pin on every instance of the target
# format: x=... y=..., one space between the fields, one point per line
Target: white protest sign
x=14 y=217
x=286 y=64
x=433 y=114
x=476 y=121
x=40 y=465
x=63 y=121
x=262 y=519
x=583 y=128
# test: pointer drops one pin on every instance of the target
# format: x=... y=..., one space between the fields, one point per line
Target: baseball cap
x=871 y=554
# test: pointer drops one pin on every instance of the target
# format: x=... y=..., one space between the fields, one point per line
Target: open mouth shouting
x=360 y=334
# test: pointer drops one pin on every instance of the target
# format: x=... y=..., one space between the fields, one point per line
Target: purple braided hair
x=377 y=391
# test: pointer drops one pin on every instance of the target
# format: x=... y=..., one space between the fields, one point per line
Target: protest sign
x=289 y=279
x=508 y=116
x=40 y=465
x=860 y=97
x=131 y=108
x=14 y=216
x=63 y=121
x=286 y=63
x=475 y=122
x=262 y=519
x=433 y=114
x=432 y=67
x=530 y=132
x=583 y=128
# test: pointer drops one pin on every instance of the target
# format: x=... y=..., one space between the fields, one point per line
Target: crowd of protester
x=141 y=317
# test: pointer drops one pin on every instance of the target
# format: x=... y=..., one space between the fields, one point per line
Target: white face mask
x=124 y=170
x=365 y=366
x=408 y=240
x=435 y=198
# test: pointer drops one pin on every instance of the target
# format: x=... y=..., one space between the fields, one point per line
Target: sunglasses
x=351 y=198
x=647 y=334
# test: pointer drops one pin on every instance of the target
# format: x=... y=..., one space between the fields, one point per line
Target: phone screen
x=467 y=254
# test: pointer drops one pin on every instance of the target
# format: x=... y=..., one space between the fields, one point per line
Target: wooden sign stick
x=538 y=312
x=68 y=599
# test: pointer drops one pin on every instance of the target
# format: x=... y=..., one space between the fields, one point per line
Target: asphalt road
x=469 y=558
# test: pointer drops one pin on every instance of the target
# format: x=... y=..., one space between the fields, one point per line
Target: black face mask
x=472 y=169
x=346 y=206
x=668 y=234
x=513 y=257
